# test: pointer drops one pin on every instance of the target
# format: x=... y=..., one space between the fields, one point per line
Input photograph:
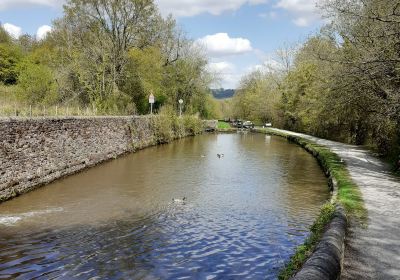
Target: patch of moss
x=304 y=251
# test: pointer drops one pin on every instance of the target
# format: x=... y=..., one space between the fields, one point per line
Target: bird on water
x=178 y=200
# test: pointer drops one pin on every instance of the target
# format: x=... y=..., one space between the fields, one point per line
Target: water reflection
x=244 y=215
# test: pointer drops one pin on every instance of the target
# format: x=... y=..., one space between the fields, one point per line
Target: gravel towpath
x=372 y=251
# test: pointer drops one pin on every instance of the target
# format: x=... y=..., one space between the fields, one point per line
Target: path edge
x=326 y=259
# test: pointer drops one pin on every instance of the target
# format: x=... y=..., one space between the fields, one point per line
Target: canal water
x=243 y=216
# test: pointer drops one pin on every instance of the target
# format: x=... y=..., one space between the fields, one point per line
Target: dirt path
x=372 y=252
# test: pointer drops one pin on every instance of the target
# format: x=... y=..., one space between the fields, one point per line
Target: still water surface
x=244 y=215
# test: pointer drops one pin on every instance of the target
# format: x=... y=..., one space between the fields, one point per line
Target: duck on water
x=179 y=200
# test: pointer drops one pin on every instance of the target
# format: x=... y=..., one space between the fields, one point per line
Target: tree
x=257 y=97
x=143 y=76
x=5 y=38
x=37 y=83
x=369 y=59
x=10 y=56
x=95 y=37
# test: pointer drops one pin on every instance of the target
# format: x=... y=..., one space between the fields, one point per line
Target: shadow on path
x=372 y=252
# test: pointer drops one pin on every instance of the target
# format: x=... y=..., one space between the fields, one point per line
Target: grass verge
x=223 y=125
x=304 y=251
x=348 y=194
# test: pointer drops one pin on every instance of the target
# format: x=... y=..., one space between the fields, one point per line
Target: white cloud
x=42 y=32
x=225 y=74
x=269 y=15
x=13 y=30
x=268 y=66
x=272 y=65
x=188 y=8
x=221 y=44
x=254 y=68
x=305 y=12
x=7 y=4
x=221 y=67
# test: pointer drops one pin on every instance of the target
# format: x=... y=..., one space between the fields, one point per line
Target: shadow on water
x=245 y=214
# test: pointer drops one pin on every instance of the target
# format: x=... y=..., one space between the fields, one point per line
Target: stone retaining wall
x=34 y=152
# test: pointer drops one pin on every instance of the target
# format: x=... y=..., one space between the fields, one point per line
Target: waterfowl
x=178 y=200
x=220 y=155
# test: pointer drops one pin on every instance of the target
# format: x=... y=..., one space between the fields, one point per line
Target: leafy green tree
x=369 y=59
x=37 y=83
x=4 y=36
x=257 y=98
x=10 y=56
x=143 y=76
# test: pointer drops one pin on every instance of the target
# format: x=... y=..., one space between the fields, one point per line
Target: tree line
x=343 y=83
x=109 y=55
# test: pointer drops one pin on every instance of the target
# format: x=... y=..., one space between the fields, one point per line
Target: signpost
x=151 y=101
x=180 y=107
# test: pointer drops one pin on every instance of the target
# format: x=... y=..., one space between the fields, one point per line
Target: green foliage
x=5 y=38
x=168 y=126
x=257 y=98
x=109 y=55
x=10 y=56
x=193 y=124
x=37 y=83
x=144 y=75
x=163 y=127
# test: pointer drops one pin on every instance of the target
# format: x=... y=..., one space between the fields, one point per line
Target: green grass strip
x=304 y=251
x=223 y=125
x=348 y=195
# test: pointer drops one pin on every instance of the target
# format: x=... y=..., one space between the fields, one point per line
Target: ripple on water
x=12 y=219
x=241 y=221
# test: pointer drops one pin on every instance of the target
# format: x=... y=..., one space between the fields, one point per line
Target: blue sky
x=238 y=35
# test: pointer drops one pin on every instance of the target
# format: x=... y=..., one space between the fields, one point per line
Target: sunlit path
x=372 y=252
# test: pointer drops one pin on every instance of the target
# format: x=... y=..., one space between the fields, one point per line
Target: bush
x=163 y=128
x=193 y=125
x=168 y=126
x=9 y=58
x=37 y=84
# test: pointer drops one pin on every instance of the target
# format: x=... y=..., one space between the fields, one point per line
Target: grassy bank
x=12 y=105
x=223 y=125
x=304 y=251
x=348 y=195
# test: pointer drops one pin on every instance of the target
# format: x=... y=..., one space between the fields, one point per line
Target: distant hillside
x=223 y=93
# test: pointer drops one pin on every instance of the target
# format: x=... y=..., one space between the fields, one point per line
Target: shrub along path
x=372 y=249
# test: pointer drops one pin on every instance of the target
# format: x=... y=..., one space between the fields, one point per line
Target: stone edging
x=327 y=258
x=326 y=261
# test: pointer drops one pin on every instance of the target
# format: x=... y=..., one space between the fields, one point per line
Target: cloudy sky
x=239 y=35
